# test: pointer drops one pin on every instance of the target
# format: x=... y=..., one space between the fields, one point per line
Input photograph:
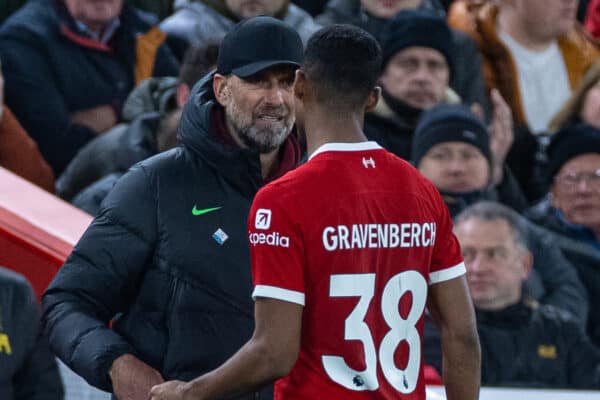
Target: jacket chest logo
x=547 y=351
x=5 y=344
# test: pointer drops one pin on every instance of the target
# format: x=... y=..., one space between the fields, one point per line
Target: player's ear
x=300 y=84
x=373 y=99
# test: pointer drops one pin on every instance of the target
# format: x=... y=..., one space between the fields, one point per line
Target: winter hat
x=416 y=27
x=449 y=123
x=569 y=143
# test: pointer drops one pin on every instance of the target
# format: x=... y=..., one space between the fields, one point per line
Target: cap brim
x=251 y=69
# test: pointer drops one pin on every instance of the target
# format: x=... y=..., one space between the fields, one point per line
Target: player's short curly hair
x=343 y=62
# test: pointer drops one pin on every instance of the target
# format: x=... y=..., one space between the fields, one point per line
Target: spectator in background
x=166 y=259
x=373 y=15
x=583 y=105
x=451 y=148
x=28 y=370
x=156 y=107
x=535 y=54
x=196 y=22
x=415 y=76
x=70 y=64
x=523 y=343
x=18 y=153
x=530 y=48
x=160 y=8
x=571 y=212
x=418 y=58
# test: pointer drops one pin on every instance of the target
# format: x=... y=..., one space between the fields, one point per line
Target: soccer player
x=347 y=251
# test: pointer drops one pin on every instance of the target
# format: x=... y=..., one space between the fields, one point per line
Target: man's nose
x=477 y=264
x=581 y=185
x=422 y=73
x=456 y=165
x=274 y=95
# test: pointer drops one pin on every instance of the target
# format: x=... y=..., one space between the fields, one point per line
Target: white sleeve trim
x=278 y=293
x=447 y=274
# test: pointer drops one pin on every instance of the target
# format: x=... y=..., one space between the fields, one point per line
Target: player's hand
x=501 y=134
x=172 y=390
x=132 y=379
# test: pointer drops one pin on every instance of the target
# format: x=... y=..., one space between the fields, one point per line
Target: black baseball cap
x=258 y=43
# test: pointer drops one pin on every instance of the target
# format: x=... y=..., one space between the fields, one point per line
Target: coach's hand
x=132 y=379
x=172 y=390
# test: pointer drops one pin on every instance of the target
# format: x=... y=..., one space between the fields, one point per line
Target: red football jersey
x=355 y=235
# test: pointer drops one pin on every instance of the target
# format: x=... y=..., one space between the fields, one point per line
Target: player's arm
x=451 y=308
x=270 y=354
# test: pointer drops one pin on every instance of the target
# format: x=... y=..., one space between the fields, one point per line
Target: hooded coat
x=166 y=259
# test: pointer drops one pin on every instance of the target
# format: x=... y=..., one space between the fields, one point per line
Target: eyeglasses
x=571 y=181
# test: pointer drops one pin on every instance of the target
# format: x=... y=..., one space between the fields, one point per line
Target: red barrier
x=37 y=229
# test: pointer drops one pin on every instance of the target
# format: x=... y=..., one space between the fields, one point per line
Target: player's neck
x=322 y=126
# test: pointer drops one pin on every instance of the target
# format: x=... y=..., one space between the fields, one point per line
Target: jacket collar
x=74 y=32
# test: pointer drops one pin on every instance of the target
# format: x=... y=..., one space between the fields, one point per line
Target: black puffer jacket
x=530 y=346
x=179 y=300
x=28 y=370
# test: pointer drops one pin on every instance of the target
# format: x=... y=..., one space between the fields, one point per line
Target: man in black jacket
x=28 y=370
x=70 y=64
x=166 y=259
x=523 y=343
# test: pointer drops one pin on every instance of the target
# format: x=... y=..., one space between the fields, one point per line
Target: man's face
x=547 y=19
x=455 y=167
x=253 y=8
x=576 y=190
x=418 y=76
x=260 y=109
x=388 y=8
x=94 y=12
x=496 y=264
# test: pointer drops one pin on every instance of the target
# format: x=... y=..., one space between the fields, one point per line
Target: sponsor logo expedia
x=270 y=239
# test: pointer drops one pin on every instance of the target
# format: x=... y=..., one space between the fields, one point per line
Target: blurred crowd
x=497 y=102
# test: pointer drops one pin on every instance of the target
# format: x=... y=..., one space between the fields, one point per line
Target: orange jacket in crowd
x=20 y=154
x=478 y=20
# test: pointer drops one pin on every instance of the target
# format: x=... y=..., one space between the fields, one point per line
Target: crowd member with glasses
x=571 y=210
x=451 y=148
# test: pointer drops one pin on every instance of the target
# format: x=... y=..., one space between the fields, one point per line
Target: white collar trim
x=360 y=146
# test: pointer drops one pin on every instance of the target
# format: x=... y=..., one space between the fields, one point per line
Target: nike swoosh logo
x=197 y=212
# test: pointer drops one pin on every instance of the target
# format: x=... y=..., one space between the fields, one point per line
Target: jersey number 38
x=355 y=328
